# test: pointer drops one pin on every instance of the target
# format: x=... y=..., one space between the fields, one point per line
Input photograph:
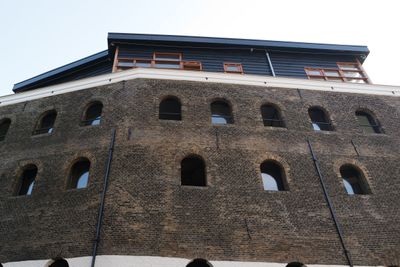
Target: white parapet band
x=147 y=261
x=199 y=76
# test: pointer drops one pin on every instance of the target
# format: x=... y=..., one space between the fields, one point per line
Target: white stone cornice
x=199 y=76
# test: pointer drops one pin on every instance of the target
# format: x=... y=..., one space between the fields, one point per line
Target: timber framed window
x=367 y=122
x=27 y=180
x=79 y=174
x=233 y=68
x=159 y=60
x=353 y=180
x=46 y=122
x=346 y=72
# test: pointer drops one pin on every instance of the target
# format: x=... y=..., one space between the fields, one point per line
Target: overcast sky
x=39 y=35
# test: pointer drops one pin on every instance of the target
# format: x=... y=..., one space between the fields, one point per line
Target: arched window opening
x=92 y=114
x=319 y=120
x=59 y=263
x=353 y=180
x=46 y=123
x=271 y=116
x=193 y=171
x=27 y=180
x=295 y=264
x=367 y=122
x=4 y=126
x=199 y=263
x=272 y=176
x=221 y=113
x=170 y=109
x=79 y=174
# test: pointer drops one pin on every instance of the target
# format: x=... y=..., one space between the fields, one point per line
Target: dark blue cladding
x=288 y=58
x=292 y=64
x=212 y=59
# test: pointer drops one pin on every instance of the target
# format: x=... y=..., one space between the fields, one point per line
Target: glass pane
x=125 y=64
x=232 y=68
x=83 y=180
x=30 y=188
x=316 y=126
x=167 y=65
x=335 y=79
x=348 y=66
x=356 y=81
x=143 y=64
x=269 y=182
x=353 y=74
x=349 y=188
x=331 y=73
x=314 y=72
x=218 y=119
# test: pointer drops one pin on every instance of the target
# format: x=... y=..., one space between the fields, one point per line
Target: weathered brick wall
x=147 y=211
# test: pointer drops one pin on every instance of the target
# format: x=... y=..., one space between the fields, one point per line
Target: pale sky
x=39 y=35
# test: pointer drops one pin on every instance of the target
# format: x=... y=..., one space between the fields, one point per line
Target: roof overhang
x=59 y=72
x=115 y=38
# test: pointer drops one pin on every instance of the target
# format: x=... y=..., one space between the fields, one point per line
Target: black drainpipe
x=103 y=196
x=330 y=205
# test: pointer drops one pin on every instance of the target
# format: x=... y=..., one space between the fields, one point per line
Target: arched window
x=4 y=126
x=320 y=120
x=353 y=180
x=199 y=263
x=273 y=176
x=367 y=122
x=295 y=264
x=221 y=113
x=193 y=171
x=59 y=263
x=170 y=109
x=271 y=116
x=79 y=174
x=46 y=123
x=92 y=114
x=27 y=180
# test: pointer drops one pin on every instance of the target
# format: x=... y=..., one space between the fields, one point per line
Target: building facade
x=194 y=151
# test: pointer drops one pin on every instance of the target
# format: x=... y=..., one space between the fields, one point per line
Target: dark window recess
x=4 y=126
x=46 y=123
x=79 y=175
x=271 y=116
x=92 y=114
x=319 y=120
x=272 y=176
x=193 y=171
x=353 y=180
x=367 y=122
x=198 y=263
x=221 y=113
x=295 y=264
x=170 y=109
x=59 y=263
x=27 y=180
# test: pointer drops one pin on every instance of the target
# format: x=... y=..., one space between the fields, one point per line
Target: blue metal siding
x=212 y=59
x=292 y=64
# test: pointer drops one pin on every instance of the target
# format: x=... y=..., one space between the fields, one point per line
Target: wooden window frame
x=228 y=64
x=342 y=73
x=153 y=61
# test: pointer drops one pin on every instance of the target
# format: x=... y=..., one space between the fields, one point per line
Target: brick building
x=194 y=151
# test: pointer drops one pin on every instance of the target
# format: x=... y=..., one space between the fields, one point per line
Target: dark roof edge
x=234 y=41
x=61 y=69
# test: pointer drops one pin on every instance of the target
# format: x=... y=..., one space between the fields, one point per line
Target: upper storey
x=341 y=63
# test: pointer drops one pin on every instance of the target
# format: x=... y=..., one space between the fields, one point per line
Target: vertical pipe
x=330 y=205
x=103 y=195
x=270 y=63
